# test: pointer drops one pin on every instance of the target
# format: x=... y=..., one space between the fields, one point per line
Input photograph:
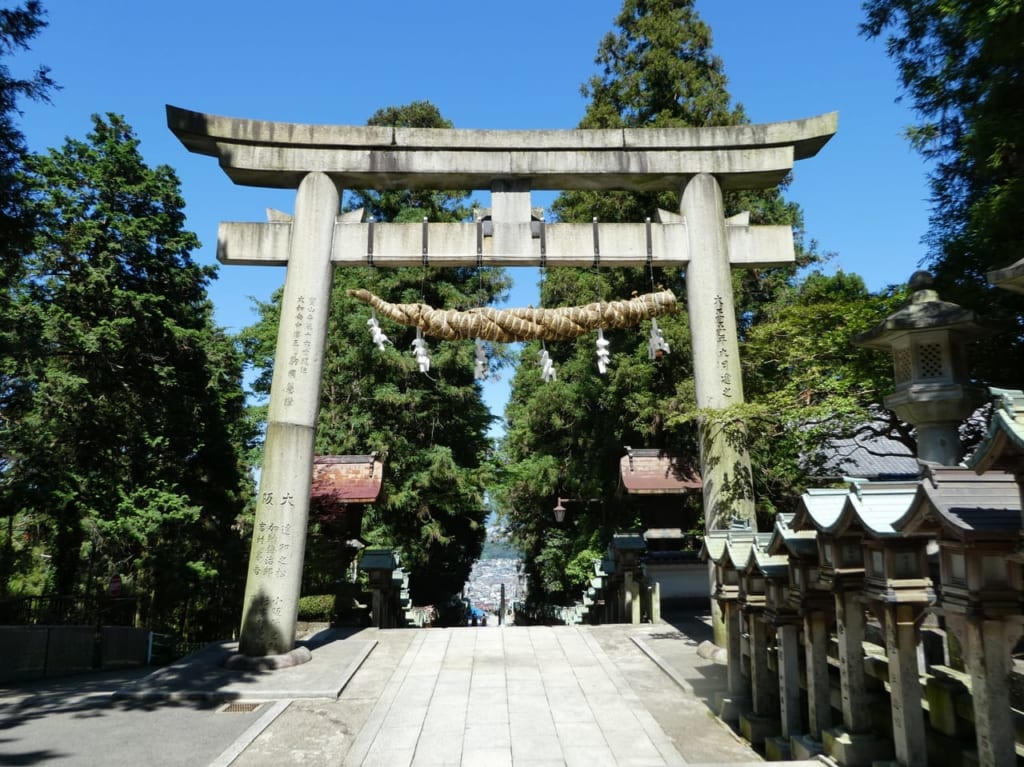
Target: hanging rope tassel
x=602 y=352
x=420 y=350
x=547 y=367
x=656 y=344
x=379 y=339
x=480 y=371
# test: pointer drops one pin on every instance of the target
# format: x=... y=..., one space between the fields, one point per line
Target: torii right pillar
x=725 y=462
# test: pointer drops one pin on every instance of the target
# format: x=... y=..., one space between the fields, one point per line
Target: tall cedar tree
x=18 y=26
x=126 y=459
x=429 y=429
x=565 y=438
x=961 y=63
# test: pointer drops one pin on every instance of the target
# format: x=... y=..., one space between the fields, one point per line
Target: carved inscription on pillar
x=300 y=346
x=722 y=344
x=271 y=546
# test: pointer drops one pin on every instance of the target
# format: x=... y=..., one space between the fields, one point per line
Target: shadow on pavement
x=684 y=651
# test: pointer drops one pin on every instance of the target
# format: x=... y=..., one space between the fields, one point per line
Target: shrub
x=316 y=607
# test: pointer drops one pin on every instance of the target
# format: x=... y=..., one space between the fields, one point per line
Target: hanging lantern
x=560 y=510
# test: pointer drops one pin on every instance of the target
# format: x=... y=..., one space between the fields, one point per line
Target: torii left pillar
x=271 y=605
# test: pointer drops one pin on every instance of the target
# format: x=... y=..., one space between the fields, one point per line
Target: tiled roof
x=644 y=471
x=869 y=457
x=346 y=478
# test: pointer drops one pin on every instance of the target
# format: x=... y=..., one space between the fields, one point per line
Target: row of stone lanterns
x=904 y=560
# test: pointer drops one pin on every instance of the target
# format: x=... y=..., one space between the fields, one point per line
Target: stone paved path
x=511 y=696
x=494 y=696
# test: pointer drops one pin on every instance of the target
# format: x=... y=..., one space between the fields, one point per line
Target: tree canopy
x=961 y=66
x=124 y=445
x=18 y=26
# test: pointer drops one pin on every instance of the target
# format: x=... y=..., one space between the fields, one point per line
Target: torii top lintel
x=278 y=155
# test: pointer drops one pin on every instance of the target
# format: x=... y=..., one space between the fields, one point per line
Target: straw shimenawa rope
x=530 y=324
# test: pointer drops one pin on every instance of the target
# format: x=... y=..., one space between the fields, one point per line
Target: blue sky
x=513 y=65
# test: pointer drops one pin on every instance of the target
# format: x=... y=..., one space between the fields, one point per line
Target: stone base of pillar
x=776 y=749
x=802 y=747
x=730 y=708
x=856 y=749
x=239 y=662
x=756 y=728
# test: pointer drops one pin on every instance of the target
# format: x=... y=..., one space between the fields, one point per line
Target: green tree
x=430 y=429
x=960 y=63
x=806 y=384
x=126 y=456
x=18 y=26
x=565 y=438
x=657 y=70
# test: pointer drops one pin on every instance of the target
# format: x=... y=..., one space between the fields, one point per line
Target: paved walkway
x=518 y=696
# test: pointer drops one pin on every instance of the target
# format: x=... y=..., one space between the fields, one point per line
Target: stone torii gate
x=320 y=160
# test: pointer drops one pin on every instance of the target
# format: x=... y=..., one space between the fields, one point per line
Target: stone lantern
x=811 y=602
x=927 y=338
x=627 y=548
x=976 y=521
x=728 y=551
x=776 y=698
x=380 y=566
x=898 y=590
x=841 y=567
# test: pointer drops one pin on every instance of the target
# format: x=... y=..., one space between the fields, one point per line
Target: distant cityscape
x=497 y=567
x=483 y=589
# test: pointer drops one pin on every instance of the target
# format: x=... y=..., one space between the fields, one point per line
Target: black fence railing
x=56 y=610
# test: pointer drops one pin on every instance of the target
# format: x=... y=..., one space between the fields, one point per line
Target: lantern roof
x=769 y=565
x=378 y=559
x=730 y=547
x=956 y=502
x=664 y=534
x=819 y=507
x=628 y=542
x=923 y=311
x=712 y=547
x=737 y=551
x=1011 y=278
x=1003 y=446
x=787 y=541
x=873 y=507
